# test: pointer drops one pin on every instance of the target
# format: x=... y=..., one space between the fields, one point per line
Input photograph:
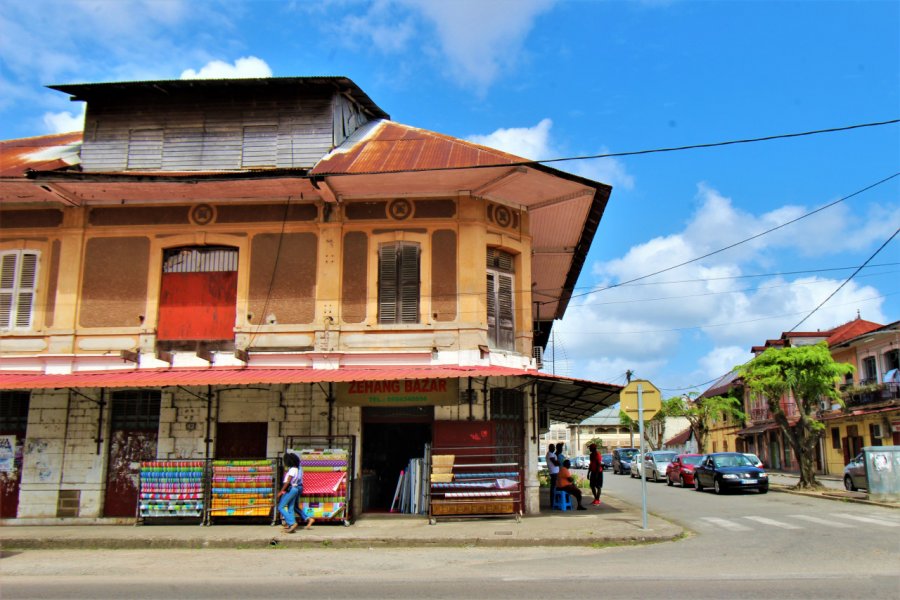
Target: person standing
x=595 y=473
x=552 y=470
x=560 y=457
x=567 y=484
x=292 y=485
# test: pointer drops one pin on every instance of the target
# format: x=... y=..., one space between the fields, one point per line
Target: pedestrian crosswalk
x=840 y=520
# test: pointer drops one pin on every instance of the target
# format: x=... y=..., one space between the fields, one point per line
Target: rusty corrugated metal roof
x=389 y=147
x=42 y=153
x=848 y=331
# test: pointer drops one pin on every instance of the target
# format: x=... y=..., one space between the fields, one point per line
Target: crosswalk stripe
x=773 y=522
x=824 y=522
x=867 y=520
x=726 y=524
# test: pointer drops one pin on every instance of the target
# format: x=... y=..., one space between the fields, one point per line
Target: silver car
x=656 y=463
x=855 y=473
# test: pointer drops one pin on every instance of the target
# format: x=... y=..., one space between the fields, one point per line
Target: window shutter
x=387 y=283
x=145 y=149
x=409 y=283
x=7 y=289
x=491 y=307
x=506 y=329
x=260 y=146
x=18 y=278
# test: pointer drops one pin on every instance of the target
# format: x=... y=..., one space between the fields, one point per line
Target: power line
x=744 y=241
x=846 y=281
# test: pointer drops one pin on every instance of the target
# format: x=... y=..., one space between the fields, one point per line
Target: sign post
x=637 y=396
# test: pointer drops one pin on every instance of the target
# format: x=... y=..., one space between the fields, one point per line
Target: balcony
x=869 y=392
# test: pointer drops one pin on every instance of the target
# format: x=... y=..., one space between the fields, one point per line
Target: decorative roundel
x=400 y=209
x=502 y=216
x=203 y=214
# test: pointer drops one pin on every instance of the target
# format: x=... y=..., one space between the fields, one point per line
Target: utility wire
x=744 y=241
x=846 y=281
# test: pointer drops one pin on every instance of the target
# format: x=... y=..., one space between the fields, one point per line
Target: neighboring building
x=214 y=267
x=683 y=442
x=872 y=406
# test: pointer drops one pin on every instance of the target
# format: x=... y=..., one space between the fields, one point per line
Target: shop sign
x=895 y=426
x=400 y=392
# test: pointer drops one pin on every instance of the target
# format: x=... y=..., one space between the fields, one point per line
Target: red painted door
x=127 y=448
x=197 y=306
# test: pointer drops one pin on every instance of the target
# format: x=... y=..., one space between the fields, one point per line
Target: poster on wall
x=7 y=453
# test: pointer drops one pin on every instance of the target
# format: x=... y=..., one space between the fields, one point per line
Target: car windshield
x=626 y=453
x=753 y=458
x=732 y=460
x=663 y=456
x=691 y=460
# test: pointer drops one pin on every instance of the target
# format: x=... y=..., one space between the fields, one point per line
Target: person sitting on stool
x=566 y=483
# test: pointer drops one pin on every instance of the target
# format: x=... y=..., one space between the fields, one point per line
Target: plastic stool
x=562 y=501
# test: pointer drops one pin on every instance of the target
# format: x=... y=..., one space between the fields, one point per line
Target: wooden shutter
x=260 y=146
x=18 y=279
x=398 y=283
x=409 y=283
x=145 y=149
x=492 y=307
x=387 y=283
x=500 y=300
x=506 y=325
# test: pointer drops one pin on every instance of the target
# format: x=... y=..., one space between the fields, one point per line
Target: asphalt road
x=739 y=546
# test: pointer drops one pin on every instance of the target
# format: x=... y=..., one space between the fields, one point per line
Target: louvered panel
x=24 y=304
x=491 y=306
x=260 y=146
x=183 y=150
x=8 y=272
x=409 y=283
x=28 y=271
x=200 y=260
x=6 y=305
x=387 y=283
x=145 y=149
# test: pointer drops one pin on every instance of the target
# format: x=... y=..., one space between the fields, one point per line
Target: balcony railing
x=869 y=393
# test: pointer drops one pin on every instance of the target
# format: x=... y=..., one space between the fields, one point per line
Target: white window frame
x=18 y=288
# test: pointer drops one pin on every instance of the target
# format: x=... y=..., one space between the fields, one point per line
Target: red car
x=682 y=469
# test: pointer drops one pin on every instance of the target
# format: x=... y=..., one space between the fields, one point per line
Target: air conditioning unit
x=538 y=354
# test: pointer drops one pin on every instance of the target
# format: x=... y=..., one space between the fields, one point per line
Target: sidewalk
x=613 y=522
x=780 y=481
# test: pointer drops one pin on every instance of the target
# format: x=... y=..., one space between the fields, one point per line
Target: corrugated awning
x=569 y=400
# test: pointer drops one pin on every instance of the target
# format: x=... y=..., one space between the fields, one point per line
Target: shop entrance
x=390 y=438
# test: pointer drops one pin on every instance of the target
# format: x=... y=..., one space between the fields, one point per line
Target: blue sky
x=547 y=79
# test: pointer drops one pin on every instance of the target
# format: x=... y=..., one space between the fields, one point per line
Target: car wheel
x=717 y=486
x=697 y=485
x=764 y=490
x=683 y=483
x=668 y=480
x=848 y=484
x=656 y=476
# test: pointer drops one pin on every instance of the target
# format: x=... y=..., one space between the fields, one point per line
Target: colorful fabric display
x=324 y=494
x=171 y=488
x=476 y=494
x=242 y=488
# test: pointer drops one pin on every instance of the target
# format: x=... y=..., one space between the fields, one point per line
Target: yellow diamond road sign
x=650 y=395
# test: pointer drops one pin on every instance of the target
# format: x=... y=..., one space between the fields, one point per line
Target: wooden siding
x=196 y=133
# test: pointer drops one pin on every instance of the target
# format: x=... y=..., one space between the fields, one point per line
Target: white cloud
x=246 y=67
x=480 y=39
x=675 y=316
x=63 y=122
x=535 y=143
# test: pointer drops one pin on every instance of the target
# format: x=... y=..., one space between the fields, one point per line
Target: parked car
x=542 y=463
x=607 y=461
x=656 y=463
x=755 y=460
x=578 y=462
x=725 y=471
x=682 y=469
x=855 y=474
x=637 y=465
x=621 y=460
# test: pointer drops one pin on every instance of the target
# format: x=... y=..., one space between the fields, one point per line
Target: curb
x=833 y=495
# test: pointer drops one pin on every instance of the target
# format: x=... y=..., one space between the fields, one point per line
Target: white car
x=754 y=460
x=637 y=465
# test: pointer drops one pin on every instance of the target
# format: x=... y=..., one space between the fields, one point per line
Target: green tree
x=807 y=374
x=702 y=412
x=656 y=441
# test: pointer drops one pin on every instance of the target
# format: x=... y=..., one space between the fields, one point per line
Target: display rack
x=327 y=477
x=171 y=489
x=475 y=482
x=241 y=488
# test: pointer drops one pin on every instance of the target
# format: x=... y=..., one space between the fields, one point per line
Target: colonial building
x=215 y=267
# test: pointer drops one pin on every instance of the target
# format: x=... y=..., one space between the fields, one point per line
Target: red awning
x=566 y=399
x=242 y=376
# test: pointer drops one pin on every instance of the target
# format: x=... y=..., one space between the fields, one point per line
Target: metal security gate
x=198 y=294
x=134 y=423
x=13 y=423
